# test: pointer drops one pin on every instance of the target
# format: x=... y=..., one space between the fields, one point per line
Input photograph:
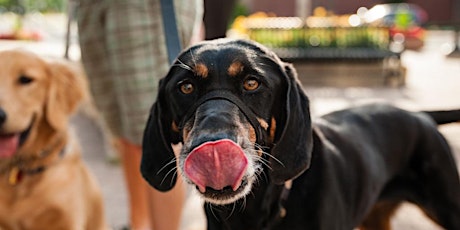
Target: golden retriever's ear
x=67 y=88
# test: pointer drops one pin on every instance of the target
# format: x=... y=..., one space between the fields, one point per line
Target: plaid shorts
x=124 y=55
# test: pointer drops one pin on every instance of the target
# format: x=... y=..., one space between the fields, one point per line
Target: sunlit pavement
x=433 y=82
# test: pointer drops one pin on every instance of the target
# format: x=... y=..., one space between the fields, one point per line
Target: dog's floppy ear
x=158 y=163
x=67 y=88
x=292 y=149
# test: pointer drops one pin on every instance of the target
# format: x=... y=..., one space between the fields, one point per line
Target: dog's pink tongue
x=216 y=164
x=8 y=145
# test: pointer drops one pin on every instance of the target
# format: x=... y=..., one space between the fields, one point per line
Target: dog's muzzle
x=226 y=95
x=10 y=142
x=220 y=163
x=217 y=165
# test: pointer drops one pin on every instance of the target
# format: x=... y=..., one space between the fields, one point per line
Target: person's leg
x=151 y=214
x=137 y=187
x=167 y=218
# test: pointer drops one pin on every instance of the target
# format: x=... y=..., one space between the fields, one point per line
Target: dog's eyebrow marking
x=201 y=70
x=235 y=68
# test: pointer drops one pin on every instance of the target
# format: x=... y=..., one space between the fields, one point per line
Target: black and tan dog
x=44 y=183
x=254 y=155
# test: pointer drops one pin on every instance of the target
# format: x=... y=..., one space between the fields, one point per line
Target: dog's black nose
x=2 y=116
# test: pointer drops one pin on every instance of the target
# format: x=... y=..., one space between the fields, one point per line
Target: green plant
x=24 y=6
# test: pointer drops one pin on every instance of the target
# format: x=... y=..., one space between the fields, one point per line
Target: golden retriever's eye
x=24 y=80
x=250 y=84
x=186 y=88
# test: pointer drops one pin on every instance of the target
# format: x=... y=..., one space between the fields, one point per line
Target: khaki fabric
x=124 y=55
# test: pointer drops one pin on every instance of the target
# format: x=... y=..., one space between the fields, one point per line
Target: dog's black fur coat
x=342 y=165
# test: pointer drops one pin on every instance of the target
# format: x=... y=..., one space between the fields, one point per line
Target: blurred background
x=346 y=53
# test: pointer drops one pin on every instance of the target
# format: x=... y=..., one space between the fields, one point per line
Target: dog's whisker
x=183 y=65
x=173 y=170
x=212 y=211
x=263 y=161
x=259 y=146
x=166 y=165
x=231 y=212
x=274 y=158
x=173 y=177
x=193 y=58
x=258 y=177
x=265 y=175
x=243 y=205
x=252 y=194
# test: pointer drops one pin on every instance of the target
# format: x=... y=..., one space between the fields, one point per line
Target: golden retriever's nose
x=2 y=116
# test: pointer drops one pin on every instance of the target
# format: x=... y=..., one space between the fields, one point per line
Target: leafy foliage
x=24 y=6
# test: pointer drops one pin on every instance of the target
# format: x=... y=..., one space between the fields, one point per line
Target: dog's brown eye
x=187 y=88
x=24 y=80
x=251 y=84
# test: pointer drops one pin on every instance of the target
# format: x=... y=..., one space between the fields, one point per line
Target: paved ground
x=433 y=82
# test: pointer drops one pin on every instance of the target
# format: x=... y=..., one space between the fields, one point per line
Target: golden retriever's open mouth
x=10 y=143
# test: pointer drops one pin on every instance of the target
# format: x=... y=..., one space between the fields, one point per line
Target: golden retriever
x=44 y=184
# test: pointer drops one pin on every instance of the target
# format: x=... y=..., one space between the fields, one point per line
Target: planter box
x=346 y=73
